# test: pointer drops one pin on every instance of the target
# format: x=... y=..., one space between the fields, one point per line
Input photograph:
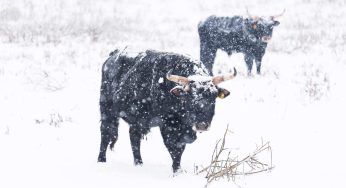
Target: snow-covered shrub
x=316 y=83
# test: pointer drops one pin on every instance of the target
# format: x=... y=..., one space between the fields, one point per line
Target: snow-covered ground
x=50 y=58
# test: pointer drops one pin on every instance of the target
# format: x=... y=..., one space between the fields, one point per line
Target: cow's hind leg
x=175 y=148
x=135 y=137
x=109 y=128
x=109 y=136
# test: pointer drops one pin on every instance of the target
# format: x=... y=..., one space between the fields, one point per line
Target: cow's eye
x=200 y=90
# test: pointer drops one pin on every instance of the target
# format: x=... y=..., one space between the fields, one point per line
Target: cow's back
x=145 y=84
x=138 y=85
x=116 y=66
x=217 y=26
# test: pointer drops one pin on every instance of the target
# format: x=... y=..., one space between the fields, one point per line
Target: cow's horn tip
x=169 y=73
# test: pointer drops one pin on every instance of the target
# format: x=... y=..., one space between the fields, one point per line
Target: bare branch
x=229 y=167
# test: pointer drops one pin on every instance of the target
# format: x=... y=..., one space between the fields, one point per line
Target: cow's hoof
x=101 y=159
x=177 y=172
x=138 y=162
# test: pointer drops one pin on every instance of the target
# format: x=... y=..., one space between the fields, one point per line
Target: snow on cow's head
x=199 y=94
x=262 y=27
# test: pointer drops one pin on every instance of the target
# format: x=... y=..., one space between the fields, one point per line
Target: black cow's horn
x=177 y=79
x=218 y=79
x=276 y=16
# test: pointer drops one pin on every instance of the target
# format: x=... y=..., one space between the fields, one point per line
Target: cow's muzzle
x=266 y=39
x=201 y=127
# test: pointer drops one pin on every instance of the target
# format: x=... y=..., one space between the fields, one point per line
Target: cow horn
x=247 y=12
x=251 y=16
x=177 y=79
x=218 y=79
x=279 y=15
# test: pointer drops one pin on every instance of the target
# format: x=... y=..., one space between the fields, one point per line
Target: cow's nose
x=200 y=127
x=266 y=38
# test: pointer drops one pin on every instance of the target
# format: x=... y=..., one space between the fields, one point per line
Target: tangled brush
x=222 y=165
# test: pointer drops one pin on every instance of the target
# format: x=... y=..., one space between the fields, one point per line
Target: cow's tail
x=114 y=139
x=109 y=120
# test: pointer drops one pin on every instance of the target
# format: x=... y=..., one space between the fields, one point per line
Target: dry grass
x=223 y=165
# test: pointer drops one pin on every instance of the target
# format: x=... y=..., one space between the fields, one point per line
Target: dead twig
x=223 y=165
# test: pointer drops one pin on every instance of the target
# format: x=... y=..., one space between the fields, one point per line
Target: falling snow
x=50 y=74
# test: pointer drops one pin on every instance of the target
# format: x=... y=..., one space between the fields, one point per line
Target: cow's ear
x=276 y=23
x=222 y=93
x=178 y=91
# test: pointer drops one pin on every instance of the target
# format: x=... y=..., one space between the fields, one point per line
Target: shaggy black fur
x=136 y=89
x=235 y=34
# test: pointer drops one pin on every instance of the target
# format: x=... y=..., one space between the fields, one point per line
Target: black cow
x=235 y=34
x=157 y=89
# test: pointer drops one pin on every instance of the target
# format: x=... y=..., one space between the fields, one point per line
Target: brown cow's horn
x=218 y=79
x=177 y=79
x=276 y=16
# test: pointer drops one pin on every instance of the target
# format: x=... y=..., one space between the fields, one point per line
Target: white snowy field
x=51 y=53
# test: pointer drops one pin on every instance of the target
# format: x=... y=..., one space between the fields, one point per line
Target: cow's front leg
x=175 y=148
x=135 y=137
x=207 y=55
x=258 y=64
x=176 y=152
x=249 y=62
